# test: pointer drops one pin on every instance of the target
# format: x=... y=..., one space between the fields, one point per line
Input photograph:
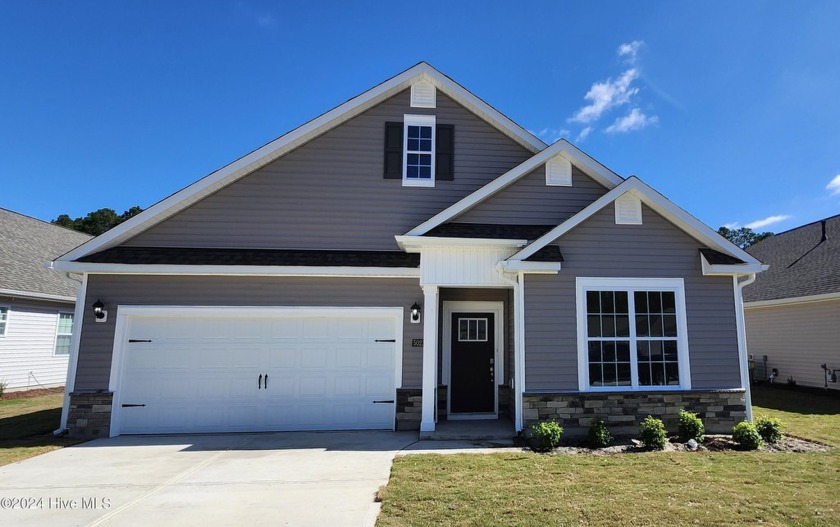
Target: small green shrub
x=2 y=388
x=545 y=435
x=652 y=433
x=599 y=436
x=769 y=428
x=745 y=434
x=690 y=426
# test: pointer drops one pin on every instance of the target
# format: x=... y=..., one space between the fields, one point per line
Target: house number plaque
x=416 y=343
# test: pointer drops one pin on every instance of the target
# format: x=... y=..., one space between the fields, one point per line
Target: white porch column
x=430 y=352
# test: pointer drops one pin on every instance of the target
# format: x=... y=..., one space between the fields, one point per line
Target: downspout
x=70 y=383
x=742 y=339
x=518 y=343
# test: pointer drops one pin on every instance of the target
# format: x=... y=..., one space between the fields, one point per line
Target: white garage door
x=235 y=369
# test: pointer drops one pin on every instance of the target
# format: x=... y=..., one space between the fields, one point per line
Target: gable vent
x=423 y=95
x=628 y=210
x=558 y=172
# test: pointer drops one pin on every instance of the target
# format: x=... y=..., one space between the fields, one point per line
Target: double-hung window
x=64 y=334
x=419 y=150
x=4 y=320
x=632 y=334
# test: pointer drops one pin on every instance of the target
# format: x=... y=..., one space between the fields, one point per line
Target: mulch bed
x=712 y=443
x=31 y=394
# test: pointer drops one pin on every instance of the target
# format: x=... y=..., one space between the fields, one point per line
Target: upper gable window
x=419 y=150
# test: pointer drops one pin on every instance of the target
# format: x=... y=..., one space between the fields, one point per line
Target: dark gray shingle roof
x=489 y=230
x=801 y=263
x=26 y=244
x=716 y=257
x=195 y=256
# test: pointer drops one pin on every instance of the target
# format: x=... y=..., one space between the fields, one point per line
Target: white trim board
x=590 y=167
x=458 y=306
x=826 y=297
x=659 y=204
x=124 y=312
x=238 y=270
x=260 y=157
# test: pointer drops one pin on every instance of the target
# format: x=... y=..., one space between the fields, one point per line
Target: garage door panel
x=200 y=374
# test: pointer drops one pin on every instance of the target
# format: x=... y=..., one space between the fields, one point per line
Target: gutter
x=742 y=339
x=70 y=383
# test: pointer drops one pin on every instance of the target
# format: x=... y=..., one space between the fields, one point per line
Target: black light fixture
x=415 y=313
x=830 y=375
x=98 y=309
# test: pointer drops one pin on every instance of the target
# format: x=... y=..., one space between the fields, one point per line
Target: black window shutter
x=393 y=150
x=445 y=152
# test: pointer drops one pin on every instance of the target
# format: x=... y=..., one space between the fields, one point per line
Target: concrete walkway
x=269 y=479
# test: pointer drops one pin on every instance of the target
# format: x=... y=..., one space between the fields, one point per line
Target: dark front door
x=472 y=373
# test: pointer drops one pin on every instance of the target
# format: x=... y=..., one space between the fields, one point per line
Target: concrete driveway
x=300 y=478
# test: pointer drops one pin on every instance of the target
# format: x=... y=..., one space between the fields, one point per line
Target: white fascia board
x=659 y=204
x=37 y=296
x=515 y=266
x=825 y=297
x=413 y=244
x=590 y=167
x=238 y=270
x=730 y=269
x=291 y=140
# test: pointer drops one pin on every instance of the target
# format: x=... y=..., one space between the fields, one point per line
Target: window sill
x=418 y=183
x=608 y=389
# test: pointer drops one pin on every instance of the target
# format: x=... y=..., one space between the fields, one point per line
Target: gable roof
x=802 y=262
x=658 y=203
x=26 y=245
x=588 y=165
x=291 y=140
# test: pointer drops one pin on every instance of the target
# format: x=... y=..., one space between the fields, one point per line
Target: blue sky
x=730 y=109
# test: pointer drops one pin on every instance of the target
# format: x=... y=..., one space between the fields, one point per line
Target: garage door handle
x=129 y=405
x=384 y=402
x=385 y=340
x=139 y=340
x=259 y=383
x=266 y=382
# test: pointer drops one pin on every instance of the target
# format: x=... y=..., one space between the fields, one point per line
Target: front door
x=473 y=380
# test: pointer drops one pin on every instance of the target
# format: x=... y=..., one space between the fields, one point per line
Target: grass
x=703 y=488
x=26 y=427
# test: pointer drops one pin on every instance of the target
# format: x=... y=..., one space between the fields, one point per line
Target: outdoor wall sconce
x=99 y=311
x=415 y=313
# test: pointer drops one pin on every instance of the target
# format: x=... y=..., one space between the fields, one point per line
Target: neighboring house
x=36 y=304
x=409 y=257
x=793 y=310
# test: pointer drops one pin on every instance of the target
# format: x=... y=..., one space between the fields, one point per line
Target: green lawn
x=732 y=488
x=26 y=427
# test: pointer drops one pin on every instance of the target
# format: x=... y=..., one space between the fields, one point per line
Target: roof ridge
x=45 y=222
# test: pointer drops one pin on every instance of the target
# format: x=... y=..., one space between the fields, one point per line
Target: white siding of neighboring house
x=796 y=338
x=27 y=349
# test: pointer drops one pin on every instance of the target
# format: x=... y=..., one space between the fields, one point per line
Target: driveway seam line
x=169 y=482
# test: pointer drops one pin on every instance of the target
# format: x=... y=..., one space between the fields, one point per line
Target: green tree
x=743 y=237
x=98 y=221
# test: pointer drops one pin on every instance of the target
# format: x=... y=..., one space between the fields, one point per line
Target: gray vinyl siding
x=330 y=192
x=530 y=202
x=796 y=338
x=97 y=339
x=656 y=249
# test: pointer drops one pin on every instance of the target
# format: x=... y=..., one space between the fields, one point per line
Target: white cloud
x=732 y=226
x=630 y=50
x=770 y=220
x=635 y=120
x=552 y=135
x=834 y=185
x=583 y=134
x=604 y=96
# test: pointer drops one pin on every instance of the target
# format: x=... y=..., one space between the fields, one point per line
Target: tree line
x=96 y=222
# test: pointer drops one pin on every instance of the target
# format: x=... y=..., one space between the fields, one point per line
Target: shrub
x=599 y=436
x=690 y=427
x=2 y=388
x=745 y=434
x=652 y=433
x=546 y=435
x=769 y=429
